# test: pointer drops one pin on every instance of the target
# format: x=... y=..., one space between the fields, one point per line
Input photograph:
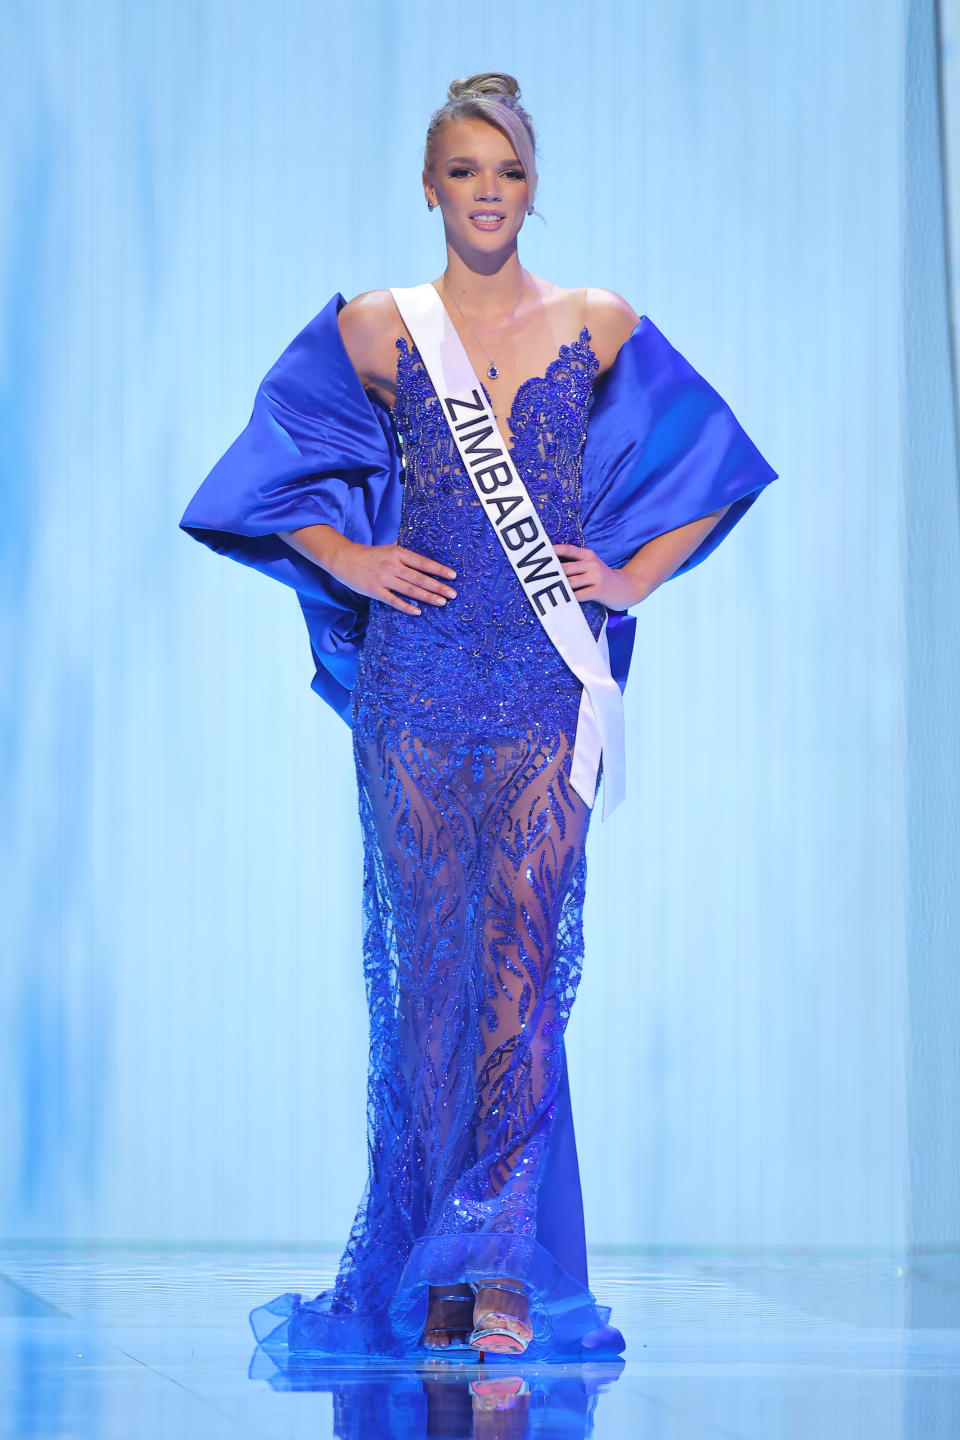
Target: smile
x=488 y=222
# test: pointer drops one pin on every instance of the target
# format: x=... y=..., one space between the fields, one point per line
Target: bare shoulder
x=369 y=326
x=611 y=320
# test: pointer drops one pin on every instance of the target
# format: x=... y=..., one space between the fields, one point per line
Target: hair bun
x=488 y=82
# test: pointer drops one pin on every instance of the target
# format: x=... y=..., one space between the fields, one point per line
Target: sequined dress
x=464 y=719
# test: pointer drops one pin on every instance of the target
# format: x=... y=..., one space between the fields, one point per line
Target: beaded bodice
x=547 y=422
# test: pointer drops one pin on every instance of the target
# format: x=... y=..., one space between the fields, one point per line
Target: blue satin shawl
x=662 y=449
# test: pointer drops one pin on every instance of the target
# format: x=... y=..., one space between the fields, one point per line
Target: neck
x=487 y=293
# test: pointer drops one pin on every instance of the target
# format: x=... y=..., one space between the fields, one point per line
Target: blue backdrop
x=764 y=1045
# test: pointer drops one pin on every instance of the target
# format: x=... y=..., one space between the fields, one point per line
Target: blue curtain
x=763 y=1047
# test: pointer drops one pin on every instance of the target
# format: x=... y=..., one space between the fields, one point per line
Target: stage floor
x=133 y=1343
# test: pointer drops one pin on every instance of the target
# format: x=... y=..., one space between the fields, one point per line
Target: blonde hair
x=495 y=97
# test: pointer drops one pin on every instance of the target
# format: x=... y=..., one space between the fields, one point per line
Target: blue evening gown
x=463 y=721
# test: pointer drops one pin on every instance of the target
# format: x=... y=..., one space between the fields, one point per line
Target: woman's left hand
x=592 y=578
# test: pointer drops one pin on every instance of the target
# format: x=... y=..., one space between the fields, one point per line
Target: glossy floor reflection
x=110 y=1344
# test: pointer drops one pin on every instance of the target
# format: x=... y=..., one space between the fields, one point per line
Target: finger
x=398 y=603
x=433 y=588
x=423 y=562
x=401 y=581
x=412 y=583
x=420 y=588
x=425 y=585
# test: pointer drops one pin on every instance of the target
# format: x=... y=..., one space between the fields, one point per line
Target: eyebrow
x=472 y=160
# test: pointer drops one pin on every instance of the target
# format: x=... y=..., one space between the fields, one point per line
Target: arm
x=667 y=468
x=660 y=557
x=363 y=322
x=611 y=321
x=591 y=578
x=319 y=543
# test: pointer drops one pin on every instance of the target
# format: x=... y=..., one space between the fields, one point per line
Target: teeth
x=485 y=216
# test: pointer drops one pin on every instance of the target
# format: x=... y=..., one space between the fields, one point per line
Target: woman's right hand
x=381 y=570
x=375 y=570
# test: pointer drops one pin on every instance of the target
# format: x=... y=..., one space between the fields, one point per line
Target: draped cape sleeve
x=662 y=449
x=317 y=450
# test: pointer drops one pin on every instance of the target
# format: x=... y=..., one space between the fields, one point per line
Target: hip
x=492 y=675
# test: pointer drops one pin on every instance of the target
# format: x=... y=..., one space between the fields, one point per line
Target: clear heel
x=449 y=1329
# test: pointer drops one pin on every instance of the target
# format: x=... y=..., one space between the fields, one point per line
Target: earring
x=429 y=204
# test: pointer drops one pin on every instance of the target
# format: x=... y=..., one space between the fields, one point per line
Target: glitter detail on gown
x=464 y=719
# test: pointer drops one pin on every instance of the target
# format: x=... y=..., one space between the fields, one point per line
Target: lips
x=483 y=221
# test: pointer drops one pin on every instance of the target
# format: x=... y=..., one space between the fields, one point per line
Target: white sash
x=504 y=497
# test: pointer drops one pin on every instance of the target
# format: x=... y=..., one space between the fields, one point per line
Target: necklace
x=492 y=373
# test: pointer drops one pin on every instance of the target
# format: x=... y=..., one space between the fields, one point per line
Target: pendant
x=493 y=372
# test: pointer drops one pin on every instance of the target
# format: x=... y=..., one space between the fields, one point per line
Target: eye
x=462 y=170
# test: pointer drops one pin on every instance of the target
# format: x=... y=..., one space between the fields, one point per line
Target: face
x=476 y=172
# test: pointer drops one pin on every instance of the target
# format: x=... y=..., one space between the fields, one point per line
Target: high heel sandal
x=499 y=1394
x=451 y=1330
x=498 y=1325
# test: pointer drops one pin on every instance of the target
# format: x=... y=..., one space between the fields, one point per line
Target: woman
x=348 y=483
